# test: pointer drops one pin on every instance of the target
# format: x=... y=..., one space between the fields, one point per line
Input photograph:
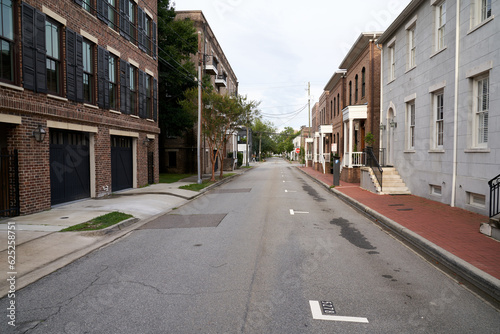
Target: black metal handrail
x=494 y=196
x=372 y=162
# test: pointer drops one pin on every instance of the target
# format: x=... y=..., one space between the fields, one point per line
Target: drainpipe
x=381 y=98
x=455 y=120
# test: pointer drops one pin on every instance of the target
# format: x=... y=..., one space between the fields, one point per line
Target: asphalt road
x=255 y=255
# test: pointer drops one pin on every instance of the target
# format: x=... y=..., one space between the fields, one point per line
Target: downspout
x=455 y=120
x=381 y=135
x=372 y=83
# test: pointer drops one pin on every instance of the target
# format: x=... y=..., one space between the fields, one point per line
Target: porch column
x=351 y=130
x=345 y=144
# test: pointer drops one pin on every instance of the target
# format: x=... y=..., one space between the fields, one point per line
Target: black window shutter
x=100 y=77
x=79 y=68
x=79 y=2
x=124 y=19
x=103 y=78
x=29 y=51
x=41 y=53
x=142 y=94
x=155 y=100
x=102 y=10
x=154 y=38
x=70 y=65
x=124 y=70
x=140 y=29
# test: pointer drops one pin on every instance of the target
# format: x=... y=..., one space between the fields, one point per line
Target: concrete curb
x=113 y=228
x=479 y=278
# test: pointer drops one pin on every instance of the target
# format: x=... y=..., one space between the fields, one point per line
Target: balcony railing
x=494 y=196
x=211 y=65
x=221 y=80
x=354 y=159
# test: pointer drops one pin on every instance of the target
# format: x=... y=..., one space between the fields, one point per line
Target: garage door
x=121 y=163
x=69 y=166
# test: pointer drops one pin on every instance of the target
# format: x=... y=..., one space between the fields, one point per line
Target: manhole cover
x=184 y=221
x=231 y=191
x=327 y=308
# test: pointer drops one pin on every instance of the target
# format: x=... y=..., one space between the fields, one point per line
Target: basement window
x=436 y=190
x=477 y=200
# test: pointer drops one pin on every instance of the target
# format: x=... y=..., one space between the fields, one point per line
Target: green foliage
x=263 y=132
x=177 y=41
x=369 y=139
x=240 y=159
x=100 y=222
x=284 y=140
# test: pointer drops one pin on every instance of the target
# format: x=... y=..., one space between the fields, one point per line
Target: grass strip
x=203 y=185
x=100 y=222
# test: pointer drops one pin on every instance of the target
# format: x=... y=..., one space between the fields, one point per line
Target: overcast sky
x=276 y=47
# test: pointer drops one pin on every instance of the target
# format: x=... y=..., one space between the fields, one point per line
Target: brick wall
x=37 y=109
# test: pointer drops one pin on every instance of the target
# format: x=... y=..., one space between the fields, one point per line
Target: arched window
x=338 y=104
x=363 y=82
x=334 y=106
x=350 y=92
x=356 y=88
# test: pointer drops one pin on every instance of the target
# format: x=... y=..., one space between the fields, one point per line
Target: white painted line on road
x=293 y=212
x=290 y=191
x=318 y=315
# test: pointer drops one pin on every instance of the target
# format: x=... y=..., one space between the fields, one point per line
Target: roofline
x=364 y=37
x=400 y=20
x=205 y=22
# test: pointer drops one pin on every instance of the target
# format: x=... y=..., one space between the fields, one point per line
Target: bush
x=240 y=159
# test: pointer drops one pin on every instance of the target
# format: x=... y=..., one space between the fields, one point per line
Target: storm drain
x=184 y=221
x=231 y=191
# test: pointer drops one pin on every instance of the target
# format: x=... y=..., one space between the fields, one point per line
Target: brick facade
x=23 y=110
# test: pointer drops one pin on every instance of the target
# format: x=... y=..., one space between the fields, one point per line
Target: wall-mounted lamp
x=382 y=127
x=39 y=133
x=146 y=141
x=393 y=124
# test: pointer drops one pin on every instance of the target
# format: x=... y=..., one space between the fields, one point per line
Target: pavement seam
x=479 y=278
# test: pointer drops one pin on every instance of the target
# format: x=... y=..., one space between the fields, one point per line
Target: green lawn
x=204 y=184
x=99 y=223
x=171 y=178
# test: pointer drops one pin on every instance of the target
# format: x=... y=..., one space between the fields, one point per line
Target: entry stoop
x=392 y=183
x=492 y=228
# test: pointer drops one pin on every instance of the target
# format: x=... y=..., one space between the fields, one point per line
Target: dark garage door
x=69 y=166
x=121 y=163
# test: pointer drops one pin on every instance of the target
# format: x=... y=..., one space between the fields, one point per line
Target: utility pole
x=198 y=149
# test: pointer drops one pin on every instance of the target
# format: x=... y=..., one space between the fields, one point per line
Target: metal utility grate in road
x=184 y=221
x=327 y=308
x=231 y=191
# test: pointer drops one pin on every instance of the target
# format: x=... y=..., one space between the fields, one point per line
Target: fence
x=9 y=185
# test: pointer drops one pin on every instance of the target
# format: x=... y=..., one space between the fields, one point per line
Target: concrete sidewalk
x=449 y=235
x=40 y=248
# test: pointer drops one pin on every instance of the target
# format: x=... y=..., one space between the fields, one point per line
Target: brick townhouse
x=179 y=153
x=353 y=105
x=78 y=100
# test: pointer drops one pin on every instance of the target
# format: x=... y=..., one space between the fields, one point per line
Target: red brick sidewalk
x=453 y=229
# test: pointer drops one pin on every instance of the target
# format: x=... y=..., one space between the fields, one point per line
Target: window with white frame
x=438 y=116
x=440 y=23
x=480 y=110
x=481 y=11
x=412 y=48
x=410 y=125
x=392 y=62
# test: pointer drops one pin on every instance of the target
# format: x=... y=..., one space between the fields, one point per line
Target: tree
x=177 y=41
x=264 y=130
x=221 y=115
x=284 y=140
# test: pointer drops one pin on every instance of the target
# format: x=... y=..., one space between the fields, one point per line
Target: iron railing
x=494 y=196
x=372 y=162
x=9 y=185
